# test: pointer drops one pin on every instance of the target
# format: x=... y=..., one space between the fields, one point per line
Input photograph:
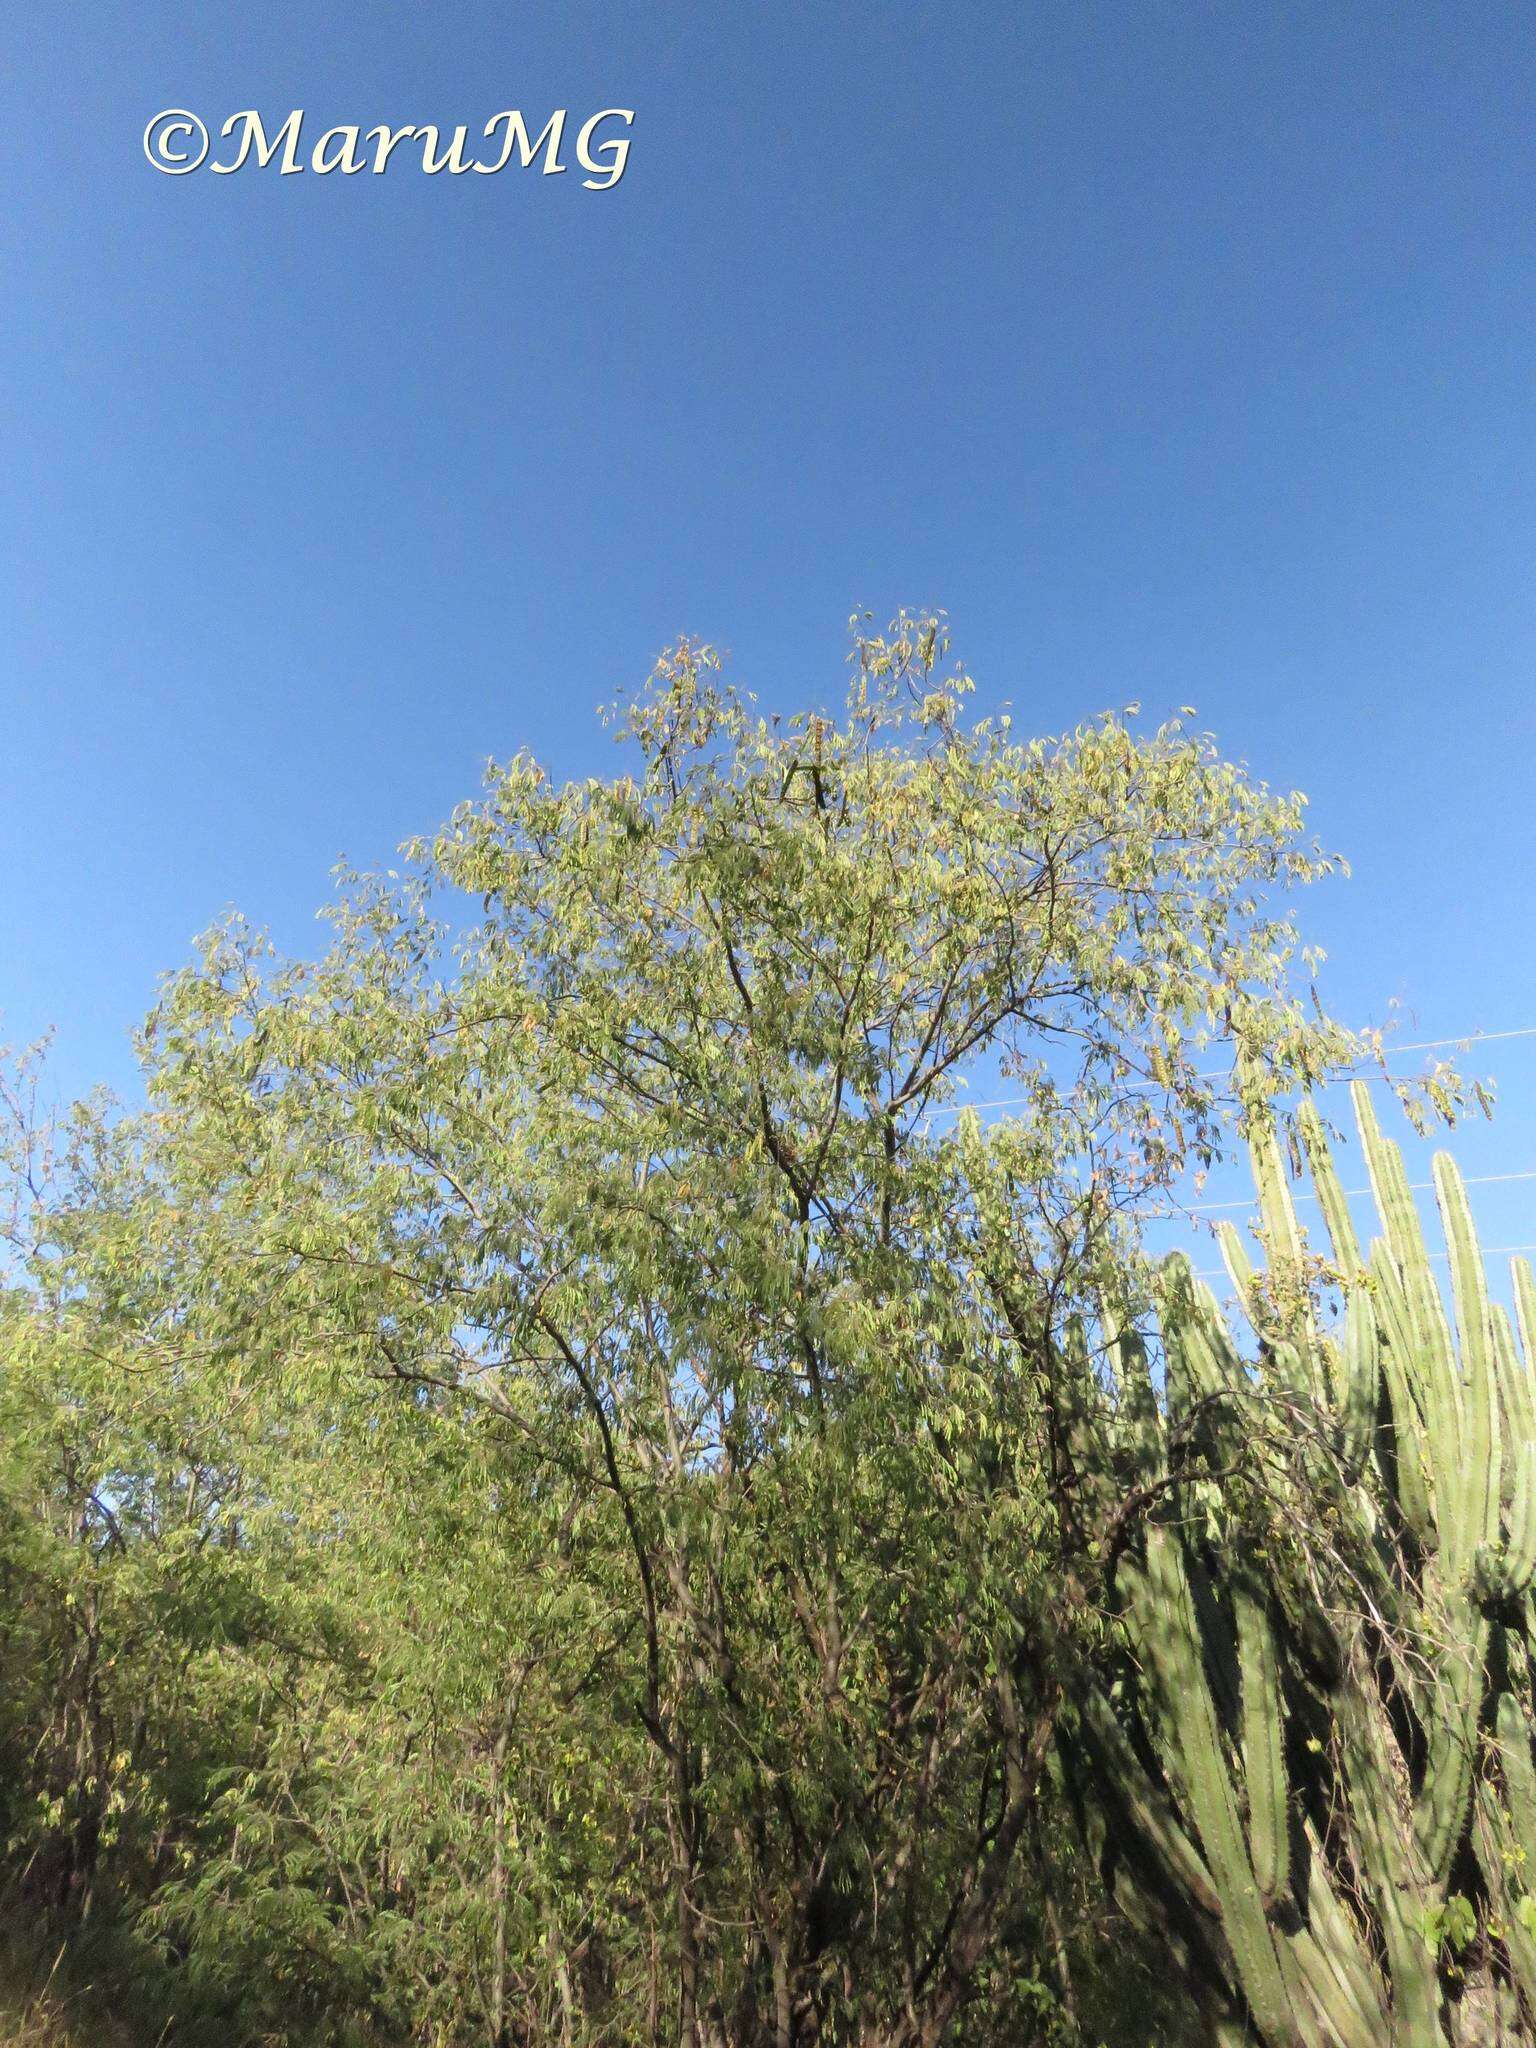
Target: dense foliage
x=541 y=1480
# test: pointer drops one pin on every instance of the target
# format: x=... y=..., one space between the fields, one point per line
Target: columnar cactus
x=1309 y=1758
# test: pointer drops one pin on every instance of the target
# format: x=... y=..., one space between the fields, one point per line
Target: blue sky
x=1182 y=352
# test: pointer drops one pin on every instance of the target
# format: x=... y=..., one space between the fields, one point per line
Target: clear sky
x=1182 y=352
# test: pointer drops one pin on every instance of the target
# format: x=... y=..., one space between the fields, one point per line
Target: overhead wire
x=1467 y=1040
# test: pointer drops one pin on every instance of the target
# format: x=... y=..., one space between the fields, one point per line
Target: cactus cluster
x=1306 y=1759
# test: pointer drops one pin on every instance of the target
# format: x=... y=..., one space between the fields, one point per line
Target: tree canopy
x=558 y=1418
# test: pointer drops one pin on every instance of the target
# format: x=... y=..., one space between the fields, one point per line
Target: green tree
x=641 y=1197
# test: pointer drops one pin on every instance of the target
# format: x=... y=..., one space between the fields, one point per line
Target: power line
x=1468 y=1039
x=1493 y=1251
x=1471 y=1180
x=1476 y=1038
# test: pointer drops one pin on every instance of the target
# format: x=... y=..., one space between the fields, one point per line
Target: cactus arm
x=1515 y=1396
x=1362 y=1381
x=1413 y=1491
x=1475 y=1494
x=1388 y=1861
x=1517 y=1362
x=1498 y=1853
x=1263 y=1732
x=1330 y=1193
x=1514 y=1739
x=1466 y=1466
x=1131 y=1786
x=1397 y=1328
x=1234 y=1256
x=1519 y=1562
x=1346 y=2020
x=1389 y=1183
x=1197 y=1741
x=1282 y=1232
x=1217 y=1337
x=1202 y=1365
x=1137 y=1412
x=1506 y=1829
x=1431 y=1355
x=1340 y=1942
x=1525 y=1308
x=1440 y=1811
